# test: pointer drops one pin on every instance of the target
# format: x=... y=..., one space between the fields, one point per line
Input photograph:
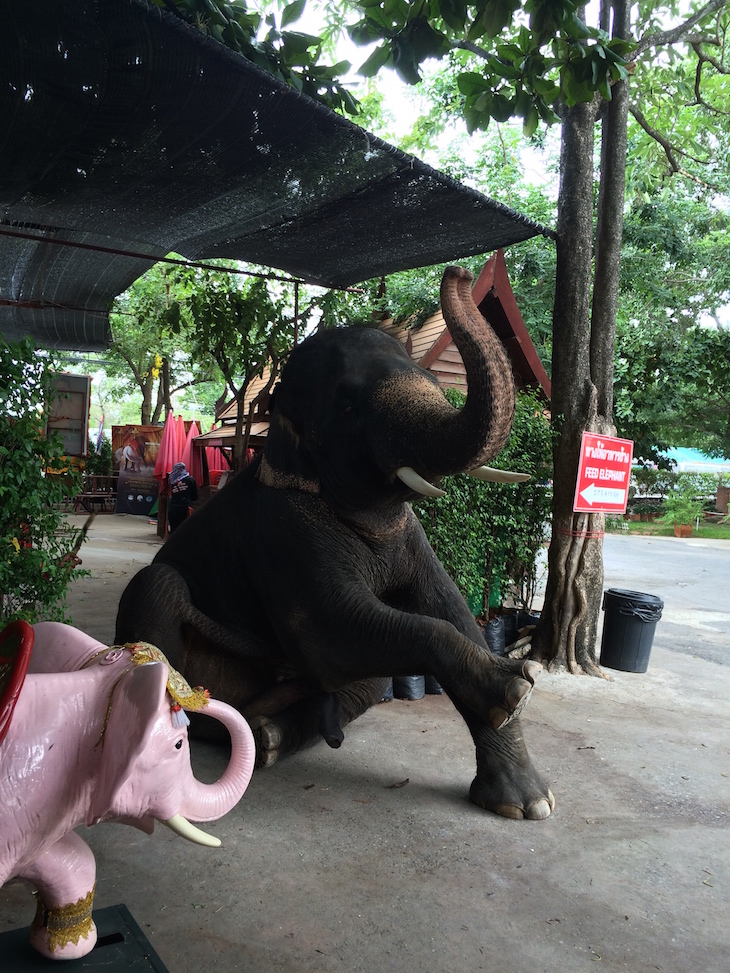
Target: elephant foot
x=516 y=681
x=513 y=791
x=267 y=737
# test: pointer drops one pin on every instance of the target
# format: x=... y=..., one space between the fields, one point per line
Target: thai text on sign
x=604 y=474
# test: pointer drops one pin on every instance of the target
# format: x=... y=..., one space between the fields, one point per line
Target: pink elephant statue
x=98 y=734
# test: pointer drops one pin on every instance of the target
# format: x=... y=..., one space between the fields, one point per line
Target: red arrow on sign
x=604 y=474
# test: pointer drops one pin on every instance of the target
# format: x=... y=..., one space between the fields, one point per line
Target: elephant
x=307 y=581
x=95 y=737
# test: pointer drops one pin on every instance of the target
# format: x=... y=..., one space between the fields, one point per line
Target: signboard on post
x=604 y=473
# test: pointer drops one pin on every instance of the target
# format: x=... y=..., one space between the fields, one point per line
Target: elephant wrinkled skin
x=307 y=581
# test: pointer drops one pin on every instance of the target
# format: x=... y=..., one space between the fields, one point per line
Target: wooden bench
x=96 y=491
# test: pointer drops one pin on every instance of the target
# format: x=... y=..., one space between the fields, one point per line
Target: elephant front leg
x=64 y=876
x=506 y=781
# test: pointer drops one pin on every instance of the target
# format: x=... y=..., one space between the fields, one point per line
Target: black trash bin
x=628 y=629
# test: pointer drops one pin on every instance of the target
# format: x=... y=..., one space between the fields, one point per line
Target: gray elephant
x=307 y=581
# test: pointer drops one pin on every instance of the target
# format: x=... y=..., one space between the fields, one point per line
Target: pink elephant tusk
x=185 y=829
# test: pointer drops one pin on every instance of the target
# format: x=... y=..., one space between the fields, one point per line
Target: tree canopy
x=147 y=355
x=245 y=325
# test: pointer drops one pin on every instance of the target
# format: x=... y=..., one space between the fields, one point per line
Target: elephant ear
x=137 y=700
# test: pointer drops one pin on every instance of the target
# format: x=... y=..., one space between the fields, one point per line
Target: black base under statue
x=121 y=946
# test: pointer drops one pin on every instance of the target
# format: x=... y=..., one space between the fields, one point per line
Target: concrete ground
x=372 y=859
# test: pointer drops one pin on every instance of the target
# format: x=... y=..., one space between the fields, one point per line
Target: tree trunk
x=609 y=232
x=582 y=379
x=147 y=386
x=567 y=631
x=165 y=386
x=157 y=412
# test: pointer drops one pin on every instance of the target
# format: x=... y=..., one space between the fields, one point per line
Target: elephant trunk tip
x=461 y=272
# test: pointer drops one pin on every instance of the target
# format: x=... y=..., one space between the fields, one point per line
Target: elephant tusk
x=416 y=483
x=185 y=829
x=491 y=475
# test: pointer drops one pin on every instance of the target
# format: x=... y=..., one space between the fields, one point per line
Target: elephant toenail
x=531 y=670
x=498 y=717
x=267 y=758
x=270 y=736
x=539 y=810
x=518 y=692
x=510 y=811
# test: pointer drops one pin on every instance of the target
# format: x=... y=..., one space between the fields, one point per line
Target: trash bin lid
x=646 y=607
x=639 y=596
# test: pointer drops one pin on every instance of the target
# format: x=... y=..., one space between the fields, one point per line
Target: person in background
x=183 y=492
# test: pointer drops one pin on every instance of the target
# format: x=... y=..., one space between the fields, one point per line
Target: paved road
x=692 y=577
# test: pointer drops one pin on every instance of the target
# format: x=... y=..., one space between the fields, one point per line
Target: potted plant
x=681 y=510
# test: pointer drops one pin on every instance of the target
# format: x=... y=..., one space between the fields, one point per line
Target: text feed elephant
x=307 y=581
x=104 y=743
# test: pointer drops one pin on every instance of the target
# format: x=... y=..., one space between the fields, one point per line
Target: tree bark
x=583 y=355
x=610 y=225
x=147 y=387
x=566 y=634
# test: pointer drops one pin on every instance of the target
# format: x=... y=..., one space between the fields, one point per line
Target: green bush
x=34 y=538
x=685 y=502
x=488 y=535
x=100 y=464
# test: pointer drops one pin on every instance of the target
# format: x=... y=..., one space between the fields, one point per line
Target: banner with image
x=135 y=453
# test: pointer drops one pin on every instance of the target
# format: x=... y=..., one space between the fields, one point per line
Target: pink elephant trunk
x=207 y=802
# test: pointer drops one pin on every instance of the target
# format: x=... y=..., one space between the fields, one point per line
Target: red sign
x=604 y=473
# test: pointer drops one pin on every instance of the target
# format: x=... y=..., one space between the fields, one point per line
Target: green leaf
x=523 y=104
x=531 y=122
x=404 y=60
x=501 y=108
x=471 y=83
x=484 y=103
x=454 y=14
x=296 y=41
x=577 y=27
x=292 y=12
x=497 y=15
x=366 y=32
x=475 y=120
x=380 y=57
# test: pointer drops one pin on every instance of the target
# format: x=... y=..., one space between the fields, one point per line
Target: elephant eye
x=178 y=744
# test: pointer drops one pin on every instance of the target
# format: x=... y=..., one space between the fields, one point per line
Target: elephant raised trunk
x=208 y=802
x=442 y=440
x=484 y=423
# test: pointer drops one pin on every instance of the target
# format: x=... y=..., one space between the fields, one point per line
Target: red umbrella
x=191 y=456
x=181 y=437
x=167 y=454
x=217 y=461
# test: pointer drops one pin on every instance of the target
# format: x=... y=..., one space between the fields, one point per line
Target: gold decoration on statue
x=64 y=924
x=183 y=695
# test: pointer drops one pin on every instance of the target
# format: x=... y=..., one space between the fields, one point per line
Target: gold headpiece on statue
x=183 y=695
